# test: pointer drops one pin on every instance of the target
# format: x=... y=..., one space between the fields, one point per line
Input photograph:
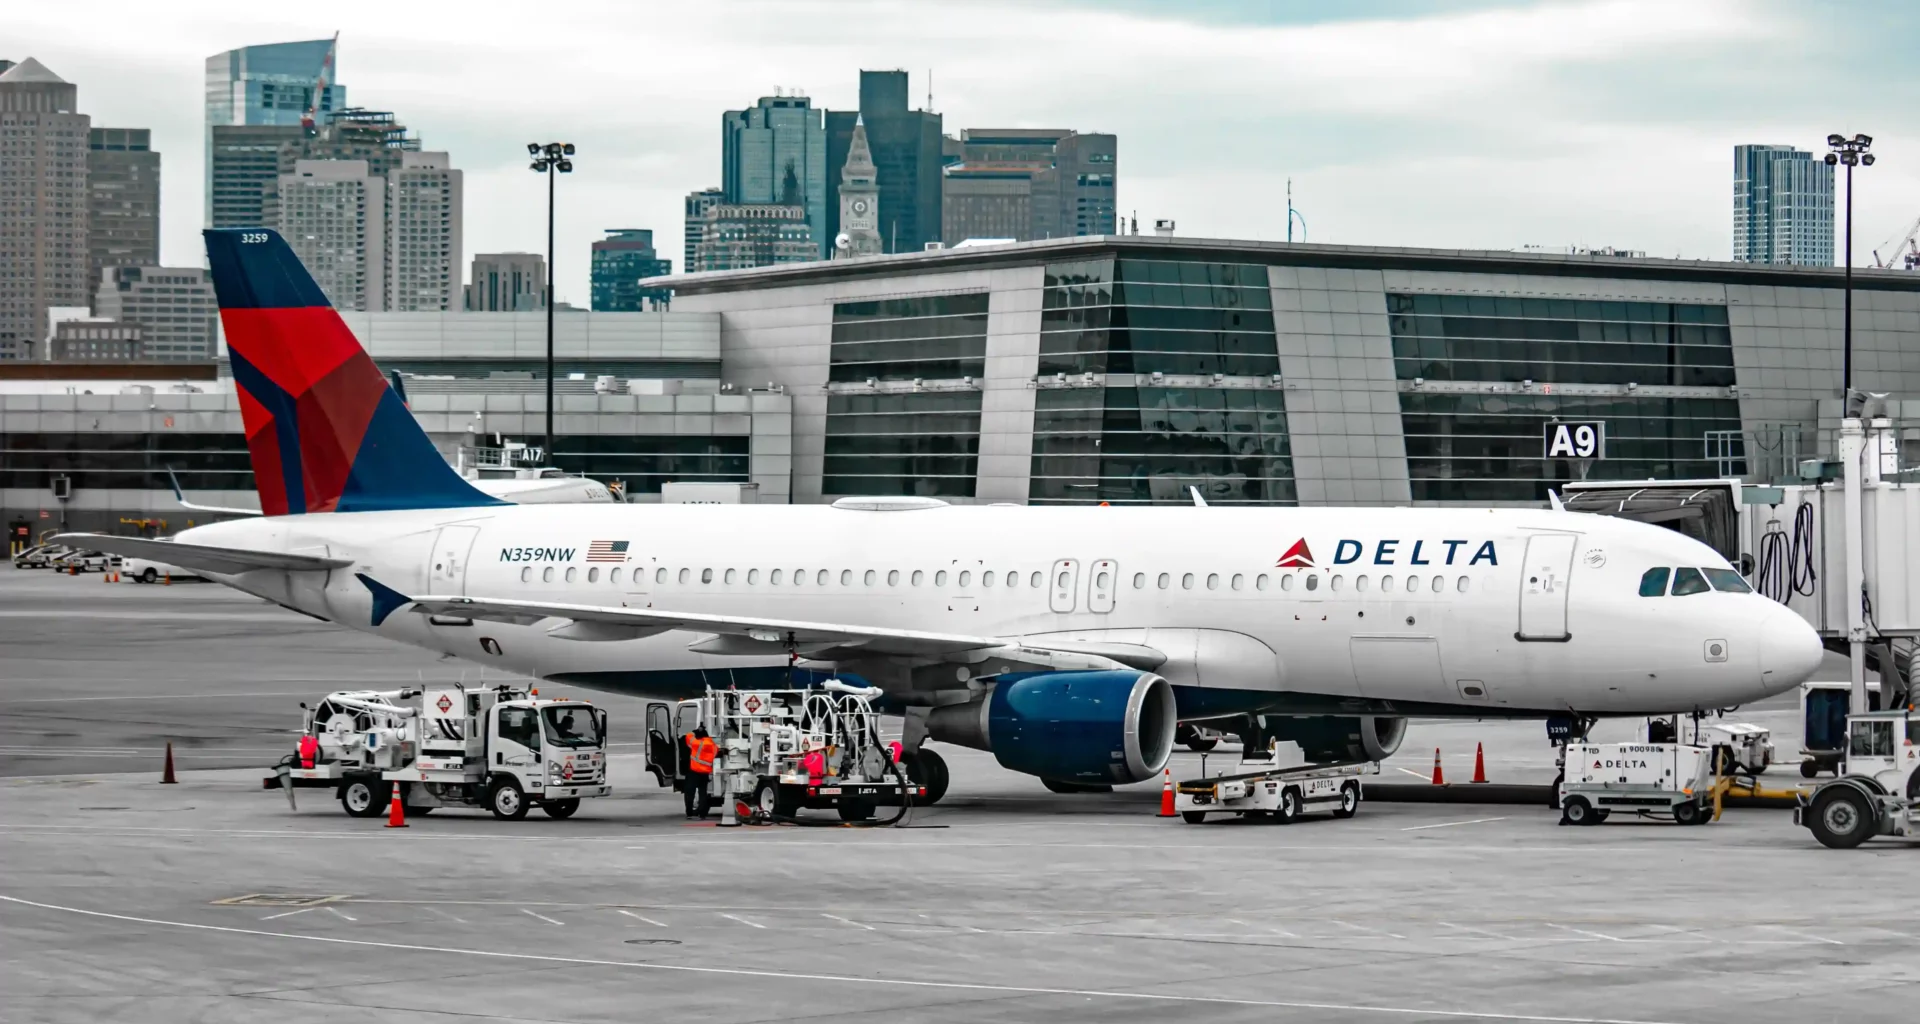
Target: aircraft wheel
x=560 y=809
x=927 y=768
x=1842 y=817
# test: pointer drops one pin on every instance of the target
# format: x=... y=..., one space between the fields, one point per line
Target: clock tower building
x=859 y=201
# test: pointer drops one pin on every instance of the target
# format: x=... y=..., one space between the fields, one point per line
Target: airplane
x=1070 y=642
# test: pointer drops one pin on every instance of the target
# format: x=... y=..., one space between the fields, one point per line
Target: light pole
x=550 y=159
x=1850 y=152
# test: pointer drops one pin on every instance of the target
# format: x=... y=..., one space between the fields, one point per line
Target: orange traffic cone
x=166 y=773
x=1479 y=762
x=1166 y=794
x=396 y=813
x=1439 y=777
x=169 y=581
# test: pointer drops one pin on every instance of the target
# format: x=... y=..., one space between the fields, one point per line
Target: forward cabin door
x=1103 y=578
x=1064 y=585
x=1545 y=575
x=447 y=566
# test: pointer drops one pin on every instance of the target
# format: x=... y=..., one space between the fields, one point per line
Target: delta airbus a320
x=1069 y=642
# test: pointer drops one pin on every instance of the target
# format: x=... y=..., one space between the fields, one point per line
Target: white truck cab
x=1878 y=791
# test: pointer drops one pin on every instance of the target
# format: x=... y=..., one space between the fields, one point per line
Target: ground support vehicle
x=1260 y=789
x=764 y=737
x=1646 y=779
x=1878 y=790
x=1739 y=748
x=502 y=748
x=40 y=556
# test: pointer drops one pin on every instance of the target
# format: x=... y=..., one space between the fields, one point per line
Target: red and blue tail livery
x=325 y=431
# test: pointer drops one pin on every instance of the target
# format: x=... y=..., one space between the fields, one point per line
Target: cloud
x=1401 y=121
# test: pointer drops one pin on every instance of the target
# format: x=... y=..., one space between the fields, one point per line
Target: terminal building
x=1121 y=369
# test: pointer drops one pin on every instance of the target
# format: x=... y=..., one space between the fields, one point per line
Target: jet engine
x=1340 y=738
x=1098 y=727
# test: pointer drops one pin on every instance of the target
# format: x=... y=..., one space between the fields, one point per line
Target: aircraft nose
x=1790 y=650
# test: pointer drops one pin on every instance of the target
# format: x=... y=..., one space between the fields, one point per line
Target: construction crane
x=307 y=120
x=1903 y=254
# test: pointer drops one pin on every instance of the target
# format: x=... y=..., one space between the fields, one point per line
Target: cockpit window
x=1653 y=583
x=1687 y=580
x=1727 y=581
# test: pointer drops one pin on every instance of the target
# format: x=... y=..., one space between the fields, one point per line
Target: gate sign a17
x=1576 y=440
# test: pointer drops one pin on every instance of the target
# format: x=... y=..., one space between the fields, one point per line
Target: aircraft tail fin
x=325 y=431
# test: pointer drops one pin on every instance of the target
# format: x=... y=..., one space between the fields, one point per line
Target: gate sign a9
x=1576 y=440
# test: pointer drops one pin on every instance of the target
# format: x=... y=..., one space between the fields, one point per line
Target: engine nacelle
x=1096 y=727
x=1341 y=738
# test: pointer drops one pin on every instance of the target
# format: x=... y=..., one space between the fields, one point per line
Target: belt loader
x=503 y=748
x=1265 y=789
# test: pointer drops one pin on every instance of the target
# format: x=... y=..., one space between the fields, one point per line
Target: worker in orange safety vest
x=701 y=751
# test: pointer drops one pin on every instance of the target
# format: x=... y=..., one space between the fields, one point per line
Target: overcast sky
x=1483 y=124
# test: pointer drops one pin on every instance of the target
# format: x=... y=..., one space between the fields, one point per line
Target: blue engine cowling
x=1095 y=727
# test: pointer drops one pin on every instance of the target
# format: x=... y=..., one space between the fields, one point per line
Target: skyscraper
x=123 y=201
x=508 y=282
x=697 y=205
x=243 y=172
x=1027 y=183
x=906 y=146
x=1782 y=207
x=620 y=260
x=736 y=236
x=776 y=152
x=333 y=214
x=425 y=197
x=43 y=220
x=271 y=84
x=174 y=308
x=859 y=200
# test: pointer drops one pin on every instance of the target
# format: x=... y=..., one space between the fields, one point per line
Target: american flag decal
x=607 y=551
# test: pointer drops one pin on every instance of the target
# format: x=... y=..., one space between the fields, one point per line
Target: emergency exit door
x=447 y=568
x=1103 y=578
x=1065 y=583
x=1545 y=574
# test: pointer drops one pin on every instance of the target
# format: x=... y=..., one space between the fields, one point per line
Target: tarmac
x=210 y=900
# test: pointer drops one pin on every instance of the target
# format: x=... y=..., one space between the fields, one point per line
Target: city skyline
x=1488 y=125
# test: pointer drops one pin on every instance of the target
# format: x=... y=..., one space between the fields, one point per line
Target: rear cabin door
x=447 y=566
x=1065 y=584
x=1545 y=575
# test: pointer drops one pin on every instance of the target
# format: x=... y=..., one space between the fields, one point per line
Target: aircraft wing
x=595 y=622
x=224 y=561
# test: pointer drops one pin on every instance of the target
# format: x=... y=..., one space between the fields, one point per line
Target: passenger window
x=1461 y=584
x=571 y=573
x=1061 y=582
x=799 y=577
x=893 y=577
x=1035 y=581
x=1186 y=581
x=940 y=578
x=685 y=574
x=986 y=579
x=1286 y=582
x=1260 y=582
x=1239 y=582
x=593 y=575
x=1360 y=584
x=1386 y=584
x=526 y=574
x=1727 y=581
x=1139 y=581
x=706 y=575
x=1687 y=580
x=731 y=576
x=966 y=580
x=614 y=576
x=1013 y=580
x=1165 y=581
x=659 y=575
x=774 y=577
x=1213 y=581
x=1413 y=584
x=753 y=577
x=918 y=576
x=546 y=575
x=846 y=577
x=1439 y=584
x=1653 y=582
x=1313 y=582
x=820 y=578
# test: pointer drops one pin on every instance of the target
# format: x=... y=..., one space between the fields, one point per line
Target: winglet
x=386 y=600
x=1197 y=499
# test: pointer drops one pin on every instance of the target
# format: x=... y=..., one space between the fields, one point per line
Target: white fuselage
x=1412 y=611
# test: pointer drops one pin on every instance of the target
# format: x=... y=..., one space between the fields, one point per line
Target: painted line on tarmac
x=1450 y=824
x=640 y=917
x=898 y=983
x=542 y=917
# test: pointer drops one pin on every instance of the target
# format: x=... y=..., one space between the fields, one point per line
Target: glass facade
x=930 y=337
x=1478 y=447
x=645 y=461
x=1559 y=341
x=1147 y=445
x=1138 y=316
x=925 y=444
x=95 y=459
